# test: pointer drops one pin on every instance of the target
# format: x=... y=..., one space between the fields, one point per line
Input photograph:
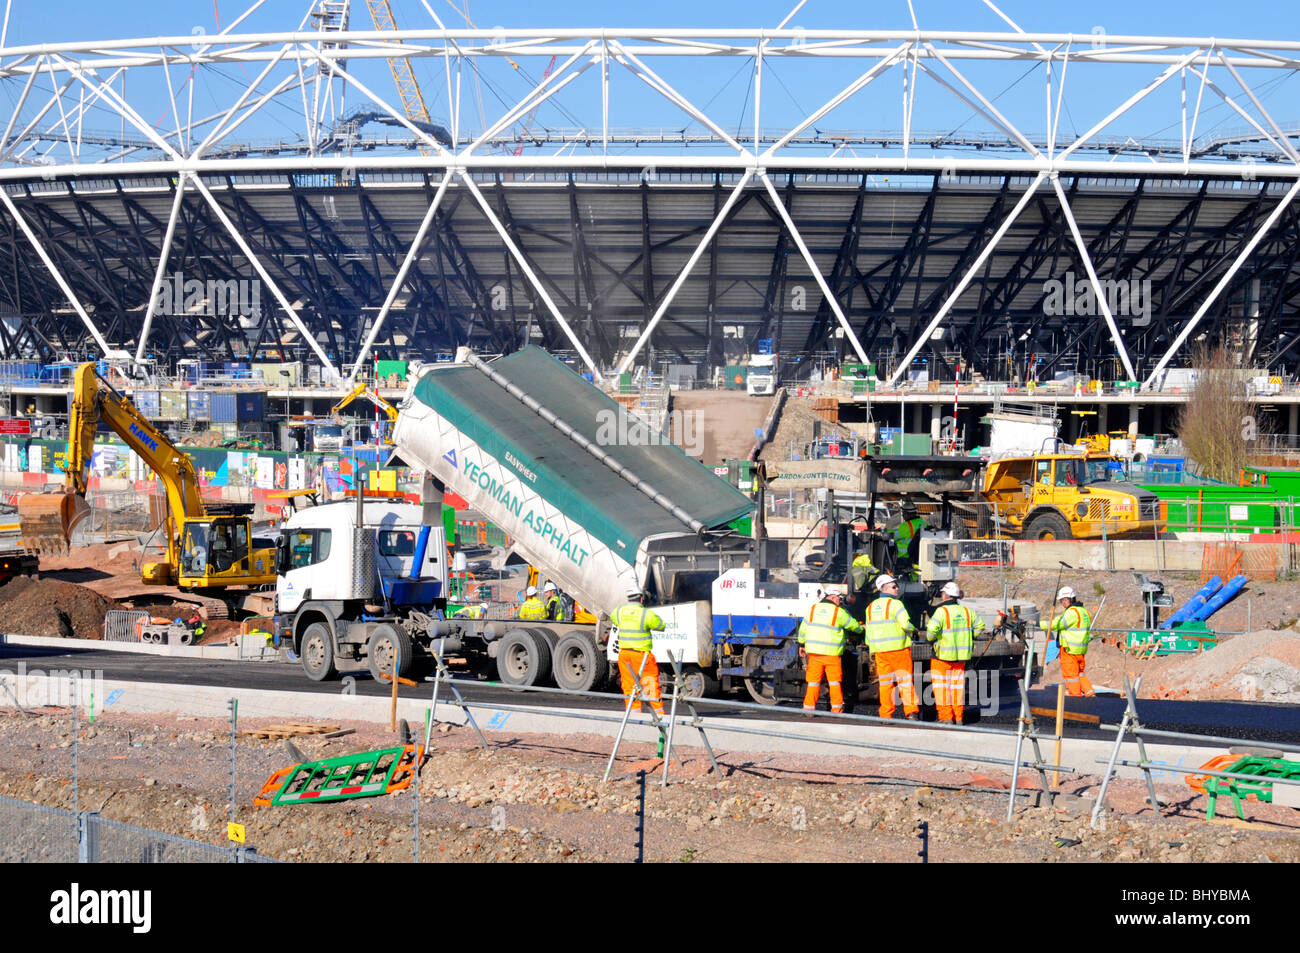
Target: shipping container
x=222 y=407
x=278 y=375
x=386 y=370
x=146 y=401
x=735 y=376
x=172 y=405
x=200 y=404
x=250 y=406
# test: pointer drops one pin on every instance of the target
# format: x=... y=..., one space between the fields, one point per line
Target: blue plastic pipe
x=421 y=547
x=1221 y=598
x=1193 y=604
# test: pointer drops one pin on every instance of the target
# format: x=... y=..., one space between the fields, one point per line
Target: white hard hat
x=633 y=592
x=531 y=591
x=1065 y=593
x=883 y=580
x=952 y=589
x=549 y=587
x=833 y=594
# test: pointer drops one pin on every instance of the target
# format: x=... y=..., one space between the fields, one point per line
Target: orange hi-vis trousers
x=629 y=663
x=1076 y=683
x=949 y=680
x=895 y=669
x=834 y=671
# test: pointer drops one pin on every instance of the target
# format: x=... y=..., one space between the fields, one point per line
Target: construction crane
x=209 y=545
x=408 y=87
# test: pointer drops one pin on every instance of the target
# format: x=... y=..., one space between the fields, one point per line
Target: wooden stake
x=392 y=712
x=1060 y=726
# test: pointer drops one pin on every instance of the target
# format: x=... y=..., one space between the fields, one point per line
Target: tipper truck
x=524 y=440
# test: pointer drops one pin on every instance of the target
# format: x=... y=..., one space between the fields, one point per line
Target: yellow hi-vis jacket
x=952 y=628
x=887 y=625
x=903 y=535
x=862 y=569
x=1073 y=629
x=822 y=630
x=636 y=626
x=533 y=610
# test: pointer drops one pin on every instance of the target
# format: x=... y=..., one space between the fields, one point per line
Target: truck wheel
x=577 y=664
x=696 y=683
x=1047 y=526
x=317 y=651
x=523 y=659
x=761 y=689
x=385 y=640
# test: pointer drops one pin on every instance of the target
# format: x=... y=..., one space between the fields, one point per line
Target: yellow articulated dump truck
x=1065 y=494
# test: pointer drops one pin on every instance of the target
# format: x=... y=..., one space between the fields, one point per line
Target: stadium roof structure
x=984 y=245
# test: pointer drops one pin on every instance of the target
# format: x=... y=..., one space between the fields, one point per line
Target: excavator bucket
x=46 y=520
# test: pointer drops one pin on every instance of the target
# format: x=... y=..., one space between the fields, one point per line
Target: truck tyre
x=696 y=683
x=523 y=659
x=1047 y=526
x=384 y=641
x=577 y=664
x=317 y=651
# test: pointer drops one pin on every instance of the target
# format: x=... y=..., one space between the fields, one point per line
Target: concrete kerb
x=731 y=734
x=228 y=653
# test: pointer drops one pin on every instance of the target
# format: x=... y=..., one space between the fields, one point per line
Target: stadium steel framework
x=618 y=243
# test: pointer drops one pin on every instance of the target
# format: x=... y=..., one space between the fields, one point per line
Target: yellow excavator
x=364 y=390
x=209 y=545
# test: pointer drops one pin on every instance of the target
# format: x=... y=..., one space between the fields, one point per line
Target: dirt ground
x=718 y=424
x=1260 y=663
x=53 y=609
x=540 y=798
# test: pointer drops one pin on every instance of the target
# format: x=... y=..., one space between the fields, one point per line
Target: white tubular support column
x=1223 y=282
x=163 y=255
x=527 y=269
x=812 y=266
x=686 y=271
x=54 y=270
x=1102 y=303
x=966 y=279
x=400 y=278
x=262 y=273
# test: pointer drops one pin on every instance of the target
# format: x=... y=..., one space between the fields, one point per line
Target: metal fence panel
x=120 y=624
x=120 y=843
x=35 y=834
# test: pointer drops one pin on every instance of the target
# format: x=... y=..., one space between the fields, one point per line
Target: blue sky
x=796 y=87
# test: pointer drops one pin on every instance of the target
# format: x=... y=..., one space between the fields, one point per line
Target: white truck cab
x=348 y=586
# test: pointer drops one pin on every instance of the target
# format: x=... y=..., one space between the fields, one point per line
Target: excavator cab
x=218 y=551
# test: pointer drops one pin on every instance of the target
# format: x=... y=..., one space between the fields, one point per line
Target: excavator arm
x=47 y=519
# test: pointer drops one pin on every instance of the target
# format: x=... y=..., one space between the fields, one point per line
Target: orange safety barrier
x=1220 y=762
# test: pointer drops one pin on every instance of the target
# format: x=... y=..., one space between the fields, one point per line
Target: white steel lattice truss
x=63 y=90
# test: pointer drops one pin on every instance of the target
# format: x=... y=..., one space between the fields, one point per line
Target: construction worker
x=887 y=626
x=636 y=626
x=533 y=609
x=554 y=602
x=906 y=537
x=863 y=568
x=471 y=612
x=952 y=631
x=821 y=641
x=1073 y=628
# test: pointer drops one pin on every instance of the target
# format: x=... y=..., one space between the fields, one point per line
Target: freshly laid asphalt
x=1254 y=721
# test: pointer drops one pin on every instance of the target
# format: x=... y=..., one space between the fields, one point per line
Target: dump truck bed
x=569 y=513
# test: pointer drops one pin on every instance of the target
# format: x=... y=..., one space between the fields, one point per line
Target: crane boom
x=408 y=87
